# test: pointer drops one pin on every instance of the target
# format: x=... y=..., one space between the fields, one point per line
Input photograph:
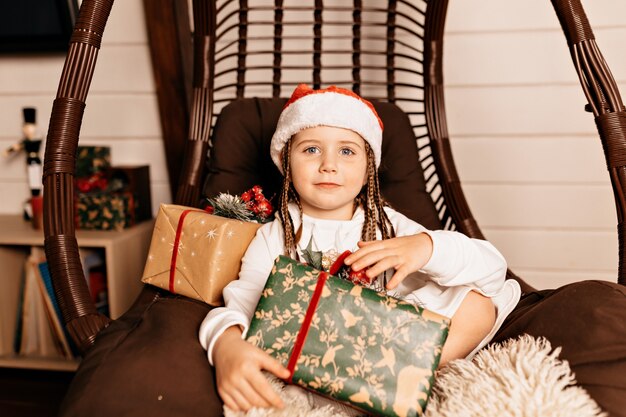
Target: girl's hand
x=240 y=382
x=405 y=254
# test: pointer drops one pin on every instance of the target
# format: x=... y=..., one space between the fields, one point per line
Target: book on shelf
x=40 y=331
x=95 y=273
x=53 y=312
x=17 y=340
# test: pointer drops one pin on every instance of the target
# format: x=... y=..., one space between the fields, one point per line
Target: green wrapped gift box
x=372 y=351
x=91 y=160
x=105 y=211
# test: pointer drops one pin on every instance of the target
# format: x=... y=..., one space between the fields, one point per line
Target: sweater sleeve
x=457 y=259
x=242 y=295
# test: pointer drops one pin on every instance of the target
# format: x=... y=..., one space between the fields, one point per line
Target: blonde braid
x=373 y=204
x=286 y=192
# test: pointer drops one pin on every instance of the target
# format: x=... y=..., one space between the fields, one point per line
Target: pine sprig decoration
x=313 y=257
x=251 y=206
x=230 y=206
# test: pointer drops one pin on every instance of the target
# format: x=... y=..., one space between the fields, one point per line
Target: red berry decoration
x=342 y=270
x=246 y=196
x=359 y=277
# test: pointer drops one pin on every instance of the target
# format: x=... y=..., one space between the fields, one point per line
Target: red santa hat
x=332 y=106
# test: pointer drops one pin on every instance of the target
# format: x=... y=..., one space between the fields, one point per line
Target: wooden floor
x=31 y=393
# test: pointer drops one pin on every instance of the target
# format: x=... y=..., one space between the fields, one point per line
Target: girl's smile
x=328 y=169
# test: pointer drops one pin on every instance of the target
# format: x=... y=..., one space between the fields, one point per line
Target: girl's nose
x=328 y=164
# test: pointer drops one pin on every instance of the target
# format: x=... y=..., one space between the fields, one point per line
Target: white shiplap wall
x=121 y=110
x=529 y=157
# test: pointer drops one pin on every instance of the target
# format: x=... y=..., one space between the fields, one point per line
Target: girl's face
x=328 y=170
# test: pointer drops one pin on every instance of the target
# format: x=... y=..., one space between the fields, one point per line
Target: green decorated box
x=105 y=210
x=92 y=160
x=366 y=349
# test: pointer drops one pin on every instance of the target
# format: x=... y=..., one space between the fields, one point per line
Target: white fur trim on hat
x=334 y=107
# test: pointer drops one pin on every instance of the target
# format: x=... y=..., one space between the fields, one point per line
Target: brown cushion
x=241 y=158
x=147 y=363
x=588 y=320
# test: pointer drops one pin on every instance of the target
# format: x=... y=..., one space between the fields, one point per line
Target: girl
x=327 y=144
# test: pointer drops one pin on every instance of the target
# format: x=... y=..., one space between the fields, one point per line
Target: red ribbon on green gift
x=306 y=324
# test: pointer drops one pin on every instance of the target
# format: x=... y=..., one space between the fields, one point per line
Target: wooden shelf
x=15 y=231
x=124 y=256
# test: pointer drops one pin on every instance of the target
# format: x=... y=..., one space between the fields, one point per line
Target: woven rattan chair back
x=382 y=50
x=379 y=50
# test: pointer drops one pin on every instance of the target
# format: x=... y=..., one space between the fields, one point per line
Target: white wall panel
x=506 y=110
x=556 y=250
x=530 y=159
x=126 y=24
x=14 y=195
x=121 y=115
x=120 y=68
x=106 y=115
x=543 y=206
x=527 y=15
x=29 y=74
x=123 y=69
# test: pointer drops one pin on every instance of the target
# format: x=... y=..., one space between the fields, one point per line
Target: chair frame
x=81 y=318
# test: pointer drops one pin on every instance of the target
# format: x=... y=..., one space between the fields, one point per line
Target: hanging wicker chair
x=149 y=360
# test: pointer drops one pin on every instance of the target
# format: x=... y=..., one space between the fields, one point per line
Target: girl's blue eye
x=311 y=149
x=347 y=151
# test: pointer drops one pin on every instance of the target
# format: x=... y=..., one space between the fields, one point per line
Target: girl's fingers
x=272 y=365
x=264 y=388
x=253 y=393
x=240 y=400
x=384 y=264
x=371 y=259
x=396 y=279
x=229 y=402
x=365 y=248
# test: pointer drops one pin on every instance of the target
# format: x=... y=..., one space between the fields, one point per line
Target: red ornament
x=359 y=277
x=356 y=277
x=83 y=185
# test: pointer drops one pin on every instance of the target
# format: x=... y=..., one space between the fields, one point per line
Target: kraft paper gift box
x=363 y=348
x=194 y=253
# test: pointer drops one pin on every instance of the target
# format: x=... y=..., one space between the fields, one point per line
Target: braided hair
x=369 y=199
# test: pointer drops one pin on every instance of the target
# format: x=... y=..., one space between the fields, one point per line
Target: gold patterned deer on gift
x=328 y=145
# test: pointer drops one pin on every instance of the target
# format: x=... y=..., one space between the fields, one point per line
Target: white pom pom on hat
x=332 y=106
